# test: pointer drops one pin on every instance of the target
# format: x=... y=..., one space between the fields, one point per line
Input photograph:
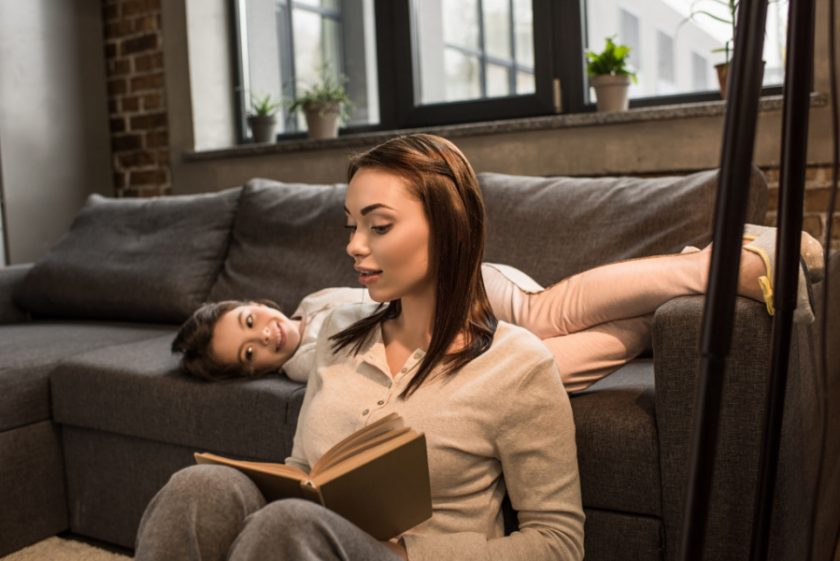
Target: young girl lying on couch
x=593 y=322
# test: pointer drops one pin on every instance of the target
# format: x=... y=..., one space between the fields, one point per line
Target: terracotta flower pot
x=262 y=127
x=723 y=75
x=322 y=120
x=611 y=92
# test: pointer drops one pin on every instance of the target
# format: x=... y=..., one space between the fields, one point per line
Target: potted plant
x=261 y=119
x=610 y=75
x=323 y=104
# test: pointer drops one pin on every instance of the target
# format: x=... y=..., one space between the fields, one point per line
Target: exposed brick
x=148 y=122
x=147 y=42
x=129 y=104
x=118 y=29
x=126 y=142
x=163 y=158
x=813 y=224
x=119 y=180
x=152 y=101
x=117 y=125
x=136 y=159
x=157 y=139
x=110 y=49
x=147 y=177
x=816 y=199
x=140 y=7
x=119 y=66
x=117 y=86
x=144 y=83
x=145 y=23
x=112 y=106
x=145 y=63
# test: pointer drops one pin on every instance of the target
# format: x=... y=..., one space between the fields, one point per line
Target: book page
x=384 y=425
x=384 y=447
x=349 y=452
x=264 y=467
x=275 y=481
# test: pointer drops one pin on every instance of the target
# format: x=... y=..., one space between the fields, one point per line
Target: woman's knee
x=211 y=483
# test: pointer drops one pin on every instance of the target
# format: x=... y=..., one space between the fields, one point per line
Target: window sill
x=645 y=114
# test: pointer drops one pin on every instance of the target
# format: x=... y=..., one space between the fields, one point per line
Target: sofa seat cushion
x=554 y=227
x=30 y=351
x=137 y=390
x=288 y=241
x=133 y=259
x=617 y=441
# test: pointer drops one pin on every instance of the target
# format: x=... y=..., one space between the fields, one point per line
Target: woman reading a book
x=488 y=399
x=486 y=394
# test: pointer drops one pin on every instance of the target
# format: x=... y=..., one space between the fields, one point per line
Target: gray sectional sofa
x=95 y=416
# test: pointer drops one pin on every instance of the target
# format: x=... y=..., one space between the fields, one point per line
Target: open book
x=377 y=478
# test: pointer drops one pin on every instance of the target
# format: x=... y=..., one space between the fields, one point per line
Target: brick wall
x=136 y=97
x=817 y=192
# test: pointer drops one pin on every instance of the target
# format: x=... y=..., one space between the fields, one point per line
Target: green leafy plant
x=727 y=14
x=612 y=61
x=703 y=8
x=264 y=106
x=326 y=92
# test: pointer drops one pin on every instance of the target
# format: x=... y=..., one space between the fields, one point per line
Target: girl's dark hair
x=442 y=179
x=195 y=336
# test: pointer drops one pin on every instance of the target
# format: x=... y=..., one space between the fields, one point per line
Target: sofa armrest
x=10 y=277
x=676 y=342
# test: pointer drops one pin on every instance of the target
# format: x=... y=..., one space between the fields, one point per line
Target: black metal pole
x=797 y=91
x=730 y=213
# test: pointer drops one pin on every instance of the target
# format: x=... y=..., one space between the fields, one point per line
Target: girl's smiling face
x=256 y=336
x=389 y=235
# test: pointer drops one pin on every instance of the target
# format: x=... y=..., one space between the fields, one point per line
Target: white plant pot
x=322 y=120
x=611 y=92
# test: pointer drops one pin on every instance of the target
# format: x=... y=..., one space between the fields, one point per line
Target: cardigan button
x=380 y=402
x=365 y=412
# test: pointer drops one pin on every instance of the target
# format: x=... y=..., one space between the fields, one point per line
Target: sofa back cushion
x=288 y=240
x=133 y=259
x=554 y=227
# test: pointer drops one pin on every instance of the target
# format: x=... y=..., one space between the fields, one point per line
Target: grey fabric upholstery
x=30 y=351
x=618 y=449
x=676 y=357
x=31 y=485
x=554 y=227
x=109 y=264
x=98 y=463
x=136 y=390
x=288 y=241
x=614 y=535
x=9 y=277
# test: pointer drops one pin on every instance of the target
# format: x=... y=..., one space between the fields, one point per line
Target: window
x=675 y=51
x=699 y=72
x=285 y=43
x=664 y=61
x=429 y=62
x=473 y=49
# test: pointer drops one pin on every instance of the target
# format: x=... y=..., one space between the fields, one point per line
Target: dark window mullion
x=567 y=22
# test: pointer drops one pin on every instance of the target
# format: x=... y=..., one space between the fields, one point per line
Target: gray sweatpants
x=209 y=513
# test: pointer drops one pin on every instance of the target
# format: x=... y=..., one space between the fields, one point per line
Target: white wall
x=54 y=140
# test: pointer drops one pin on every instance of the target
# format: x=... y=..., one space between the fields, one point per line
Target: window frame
x=559 y=74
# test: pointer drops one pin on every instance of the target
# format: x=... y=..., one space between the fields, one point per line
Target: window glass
x=675 y=44
x=286 y=42
x=472 y=49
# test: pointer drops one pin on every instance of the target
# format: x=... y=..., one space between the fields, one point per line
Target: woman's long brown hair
x=444 y=182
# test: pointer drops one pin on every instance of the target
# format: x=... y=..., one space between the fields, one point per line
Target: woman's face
x=389 y=235
x=255 y=336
